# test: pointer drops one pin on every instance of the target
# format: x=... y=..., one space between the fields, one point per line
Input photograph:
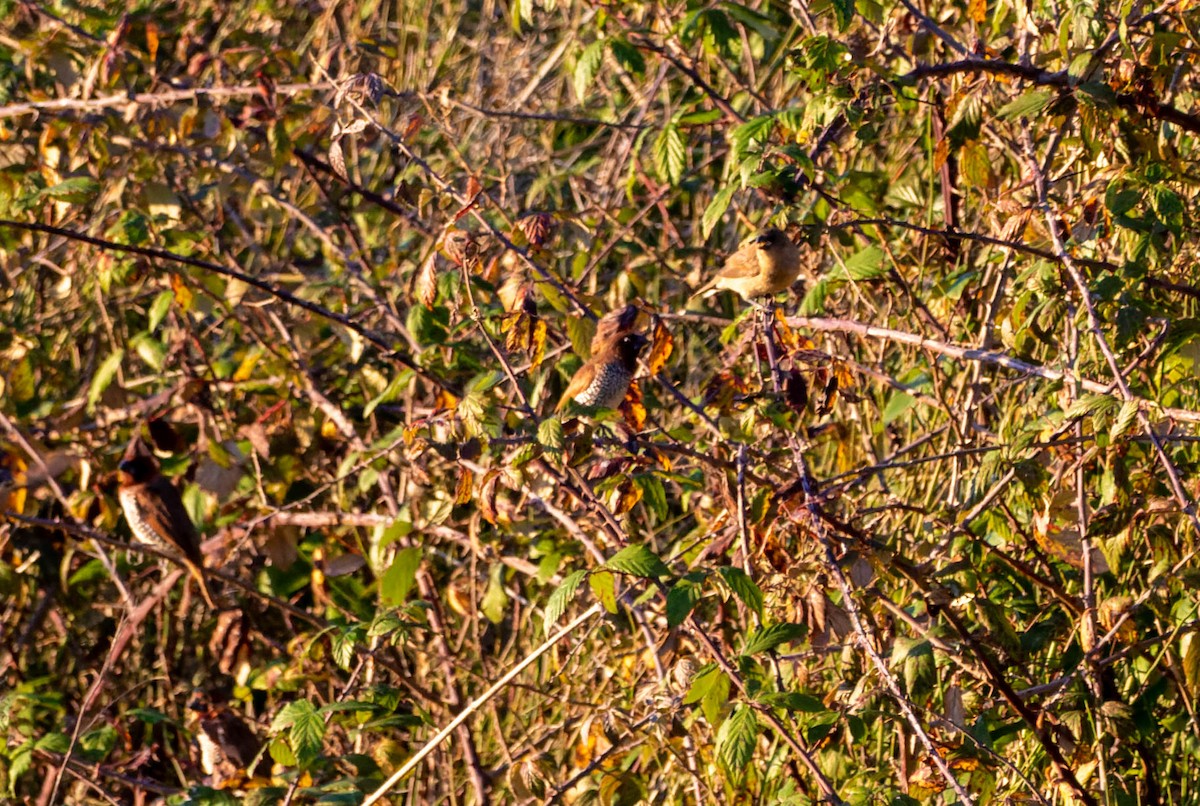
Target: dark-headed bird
x=156 y=514
x=604 y=378
x=765 y=265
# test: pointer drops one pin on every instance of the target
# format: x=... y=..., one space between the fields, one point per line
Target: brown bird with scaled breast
x=604 y=378
x=765 y=265
x=156 y=514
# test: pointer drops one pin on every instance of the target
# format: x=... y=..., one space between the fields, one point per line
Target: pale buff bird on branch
x=765 y=265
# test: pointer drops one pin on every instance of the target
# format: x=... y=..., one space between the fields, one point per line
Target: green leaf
x=603 y=585
x=495 y=598
x=716 y=209
x=392 y=391
x=306 y=729
x=159 y=309
x=897 y=404
x=753 y=132
x=103 y=377
x=550 y=433
x=670 y=155
x=76 y=190
x=843 y=11
x=682 y=598
x=639 y=561
x=769 y=637
x=813 y=303
x=710 y=688
x=736 y=740
x=400 y=576
x=742 y=585
x=1027 y=106
x=628 y=56
x=562 y=596
x=654 y=496
x=867 y=264
x=586 y=69
x=1125 y=418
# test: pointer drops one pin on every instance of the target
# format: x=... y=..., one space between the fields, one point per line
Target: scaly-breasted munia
x=616 y=321
x=604 y=378
x=156 y=514
x=227 y=744
x=765 y=265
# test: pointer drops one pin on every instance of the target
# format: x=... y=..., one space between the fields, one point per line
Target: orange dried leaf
x=662 y=345
x=152 y=40
x=787 y=336
x=977 y=10
x=183 y=295
x=473 y=188
x=941 y=153
x=632 y=407
x=410 y=129
x=466 y=483
x=626 y=497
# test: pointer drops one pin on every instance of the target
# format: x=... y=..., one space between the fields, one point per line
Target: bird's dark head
x=137 y=470
x=772 y=239
x=614 y=322
x=630 y=347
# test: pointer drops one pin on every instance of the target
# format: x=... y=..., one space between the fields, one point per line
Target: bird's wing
x=581 y=380
x=164 y=512
x=742 y=263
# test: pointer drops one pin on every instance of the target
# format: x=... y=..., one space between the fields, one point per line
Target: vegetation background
x=338 y=260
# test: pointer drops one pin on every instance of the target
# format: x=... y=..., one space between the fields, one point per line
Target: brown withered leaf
x=473 y=188
x=518 y=332
x=412 y=127
x=625 y=497
x=466 y=483
x=538 y=228
x=796 y=391
x=461 y=248
x=487 y=496
x=662 y=345
x=632 y=407
x=425 y=283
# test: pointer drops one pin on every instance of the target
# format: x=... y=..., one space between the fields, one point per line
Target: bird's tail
x=202 y=581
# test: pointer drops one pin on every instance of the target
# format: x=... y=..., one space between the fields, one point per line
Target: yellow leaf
x=625 y=497
x=466 y=482
x=632 y=407
x=152 y=40
x=538 y=343
x=183 y=295
x=245 y=369
x=787 y=336
x=661 y=348
x=977 y=10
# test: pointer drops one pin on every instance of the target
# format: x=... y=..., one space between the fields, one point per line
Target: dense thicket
x=924 y=534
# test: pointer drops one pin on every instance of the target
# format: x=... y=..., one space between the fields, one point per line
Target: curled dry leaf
x=461 y=248
x=632 y=407
x=538 y=228
x=662 y=344
x=425 y=283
